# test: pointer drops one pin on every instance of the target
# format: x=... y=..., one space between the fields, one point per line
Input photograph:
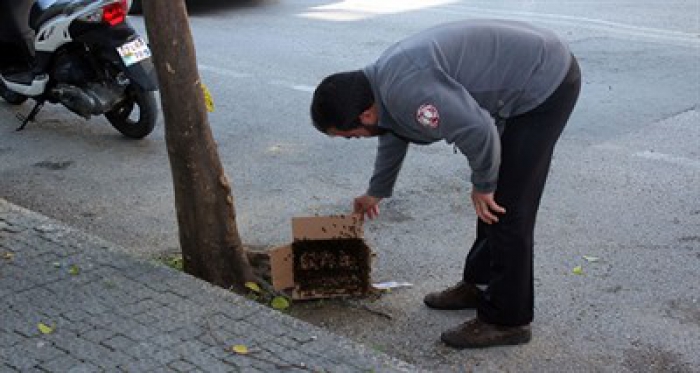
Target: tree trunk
x=211 y=246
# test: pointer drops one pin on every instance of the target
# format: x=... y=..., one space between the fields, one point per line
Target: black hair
x=340 y=99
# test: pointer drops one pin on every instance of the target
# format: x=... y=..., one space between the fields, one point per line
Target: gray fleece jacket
x=457 y=82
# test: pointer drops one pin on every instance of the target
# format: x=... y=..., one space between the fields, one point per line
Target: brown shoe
x=478 y=334
x=459 y=297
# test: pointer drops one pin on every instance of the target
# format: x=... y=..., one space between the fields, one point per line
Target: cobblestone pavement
x=72 y=302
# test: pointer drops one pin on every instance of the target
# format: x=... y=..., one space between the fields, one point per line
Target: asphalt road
x=624 y=185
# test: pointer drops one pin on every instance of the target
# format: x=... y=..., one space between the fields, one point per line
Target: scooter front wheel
x=136 y=116
x=11 y=97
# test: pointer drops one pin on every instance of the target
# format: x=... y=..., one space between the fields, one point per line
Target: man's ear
x=370 y=117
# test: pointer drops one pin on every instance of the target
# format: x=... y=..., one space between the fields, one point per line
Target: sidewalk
x=102 y=310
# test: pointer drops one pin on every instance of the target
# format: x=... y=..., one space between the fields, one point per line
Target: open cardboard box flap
x=310 y=228
x=327 y=227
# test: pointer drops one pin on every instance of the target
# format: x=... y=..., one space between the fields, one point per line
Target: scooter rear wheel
x=11 y=97
x=137 y=115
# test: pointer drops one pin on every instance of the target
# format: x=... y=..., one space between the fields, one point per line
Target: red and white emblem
x=428 y=116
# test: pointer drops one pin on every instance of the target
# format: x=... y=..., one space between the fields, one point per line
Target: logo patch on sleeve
x=428 y=115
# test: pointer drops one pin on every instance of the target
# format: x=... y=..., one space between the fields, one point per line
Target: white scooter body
x=53 y=34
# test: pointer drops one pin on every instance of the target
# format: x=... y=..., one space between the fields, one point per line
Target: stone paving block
x=248 y=363
x=39 y=350
x=148 y=351
x=116 y=342
x=139 y=307
x=296 y=357
x=243 y=333
x=145 y=319
x=161 y=370
x=210 y=338
x=220 y=351
x=62 y=364
x=164 y=340
x=17 y=360
x=189 y=309
x=85 y=350
x=188 y=332
x=170 y=315
x=206 y=363
x=115 y=360
x=84 y=368
x=77 y=329
x=190 y=348
x=76 y=315
x=17 y=284
x=181 y=366
x=138 y=366
x=9 y=338
x=133 y=330
x=97 y=335
x=264 y=323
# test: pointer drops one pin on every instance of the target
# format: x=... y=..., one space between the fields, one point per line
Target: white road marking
x=238 y=75
x=680 y=161
x=222 y=71
x=591 y=23
x=303 y=88
x=354 y=10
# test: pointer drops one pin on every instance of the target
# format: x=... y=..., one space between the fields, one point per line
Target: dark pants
x=502 y=254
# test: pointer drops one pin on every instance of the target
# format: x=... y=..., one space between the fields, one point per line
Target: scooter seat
x=39 y=16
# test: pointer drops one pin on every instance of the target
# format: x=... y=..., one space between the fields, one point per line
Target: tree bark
x=211 y=245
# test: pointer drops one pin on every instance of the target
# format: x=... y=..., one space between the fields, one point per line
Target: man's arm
x=391 y=152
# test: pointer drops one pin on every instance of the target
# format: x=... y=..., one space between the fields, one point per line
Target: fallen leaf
x=253 y=286
x=578 y=270
x=45 y=329
x=8 y=255
x=74 y=270
x=240 y=349
x=280 y=303
x=591 y=259
x=208 y=99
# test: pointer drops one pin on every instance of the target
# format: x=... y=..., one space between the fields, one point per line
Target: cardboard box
x=327 y=258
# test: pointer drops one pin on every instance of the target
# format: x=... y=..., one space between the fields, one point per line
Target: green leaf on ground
x=45 y=329
x=280 y=303
x=74 y=270
x=240 y=349
x=578 y=270
x=253 y=286
x=175 y=262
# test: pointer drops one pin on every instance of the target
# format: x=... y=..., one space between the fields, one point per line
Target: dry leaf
x=240 y=349
x=208 y=99
x=45 y=329
x=253 y=286
x=8 y=255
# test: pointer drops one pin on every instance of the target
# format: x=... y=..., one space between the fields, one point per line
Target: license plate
x=134 y=51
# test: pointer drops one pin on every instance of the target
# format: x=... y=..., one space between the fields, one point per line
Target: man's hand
x=486 y=207
x=367 y=205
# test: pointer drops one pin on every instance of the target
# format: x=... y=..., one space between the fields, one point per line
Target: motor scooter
x=82 y=54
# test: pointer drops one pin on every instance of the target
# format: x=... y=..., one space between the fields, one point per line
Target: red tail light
x=115 y=13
